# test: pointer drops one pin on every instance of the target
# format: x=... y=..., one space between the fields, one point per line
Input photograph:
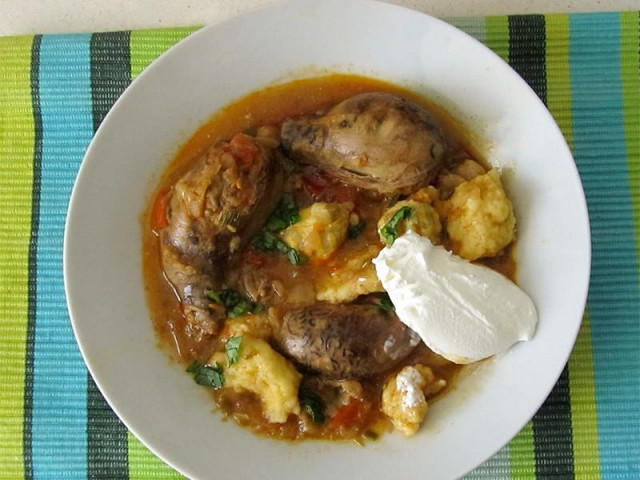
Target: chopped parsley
x=354 y=231
x=268 y=242
x=390 y=231
x=285 y=214
x=232 y=348
x=207 y=375
x=214 y=296
x=314 y=405
x=235 y=303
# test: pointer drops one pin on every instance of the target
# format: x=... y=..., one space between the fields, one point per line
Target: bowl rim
x=177 y=50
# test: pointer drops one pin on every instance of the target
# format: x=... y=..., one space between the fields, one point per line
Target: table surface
x=56 y=89
x=56 y=16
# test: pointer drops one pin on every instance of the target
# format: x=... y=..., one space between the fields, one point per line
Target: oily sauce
x=272 y=106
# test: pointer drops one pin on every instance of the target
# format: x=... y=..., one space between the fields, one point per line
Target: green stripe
x=144 y=465
x=107 y=436
x=630 y=74
x=147 y=45
x=33 y=244
x=521 y=451
x=498 y=36
x=581 y=376
x=16 y=184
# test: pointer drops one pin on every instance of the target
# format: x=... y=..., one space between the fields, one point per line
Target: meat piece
x=214 y=209
x=345 y=341
x=376 y=141
x=264 y=287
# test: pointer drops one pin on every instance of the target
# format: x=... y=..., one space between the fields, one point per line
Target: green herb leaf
x=385 y=304
x=285 y=214
x=390 y=231
x=265 y=241
x=268 y=242
x=314 y=405
x=294 y=257
x=235 y=303
x=354 y=231
x=207 y=375
x=213 y=296
x=241 y=307
x=232 y=348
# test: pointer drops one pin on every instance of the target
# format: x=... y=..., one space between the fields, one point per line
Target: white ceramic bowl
x=156 y=399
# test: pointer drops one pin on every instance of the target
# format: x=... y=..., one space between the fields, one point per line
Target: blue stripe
x=59 y=422
x=599 y=146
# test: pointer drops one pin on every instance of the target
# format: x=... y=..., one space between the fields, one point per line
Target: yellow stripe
x=583 y=406
x=557 y=66
x=522 y=454
x=143 y=465
x=498 y=36
x=629 y=65
x=16 y=168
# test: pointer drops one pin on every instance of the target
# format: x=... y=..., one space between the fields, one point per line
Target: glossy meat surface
x=377 y=141
x=345 y=340
x=214 y=209
x=236 y=213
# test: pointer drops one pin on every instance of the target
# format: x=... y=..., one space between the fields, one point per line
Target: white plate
x=156 y=399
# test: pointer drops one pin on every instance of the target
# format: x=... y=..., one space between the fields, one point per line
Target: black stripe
x=32 y=268
x=106 y=436
x=552 y=433
x=527 y=50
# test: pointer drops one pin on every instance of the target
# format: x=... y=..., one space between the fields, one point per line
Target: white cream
x=462 y=311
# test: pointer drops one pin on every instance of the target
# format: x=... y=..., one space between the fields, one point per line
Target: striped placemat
x=55 y=91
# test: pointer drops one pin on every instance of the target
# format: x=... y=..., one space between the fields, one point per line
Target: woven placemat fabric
x=56 y=89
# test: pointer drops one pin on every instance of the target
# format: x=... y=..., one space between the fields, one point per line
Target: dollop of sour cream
x=462 y=311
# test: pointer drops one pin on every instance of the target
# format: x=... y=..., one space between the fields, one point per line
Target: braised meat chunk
x=345 y=341
x=215 y=208
x=377 y=141
x=262 y=254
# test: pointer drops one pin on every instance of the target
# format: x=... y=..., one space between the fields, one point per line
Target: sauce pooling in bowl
x=258 y=247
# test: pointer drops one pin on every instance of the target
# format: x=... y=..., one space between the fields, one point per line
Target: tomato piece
x=343 y=194
x=159 y=218
x=347 y=415
x=316 y=182
x=324 y=189
x=243 y=148
x=253 y=257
